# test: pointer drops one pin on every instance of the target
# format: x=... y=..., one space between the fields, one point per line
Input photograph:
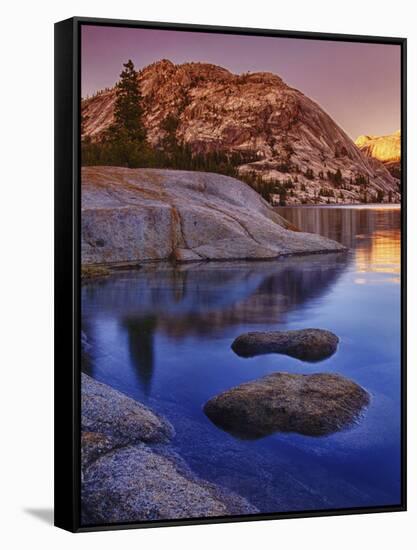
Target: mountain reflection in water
x=200 y=299
x=373 y=232
x=162 y=335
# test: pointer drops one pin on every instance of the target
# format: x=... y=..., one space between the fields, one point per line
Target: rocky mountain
x=386 y=149
x=280 y=135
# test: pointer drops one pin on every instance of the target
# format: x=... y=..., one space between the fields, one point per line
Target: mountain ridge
x=284 y=137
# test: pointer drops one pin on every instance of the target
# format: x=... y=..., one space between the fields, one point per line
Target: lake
x=162 y=335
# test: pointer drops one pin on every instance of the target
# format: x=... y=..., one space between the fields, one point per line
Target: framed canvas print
x=230 y=288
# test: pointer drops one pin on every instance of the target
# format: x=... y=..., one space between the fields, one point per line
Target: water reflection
x=140 y=332
x=373 y=233
x=202 y=299
x=382 y=256
x=87 y=346
x=162 y=335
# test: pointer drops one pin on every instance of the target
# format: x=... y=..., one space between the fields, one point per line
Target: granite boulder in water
x=310 y=344
x=309 y=404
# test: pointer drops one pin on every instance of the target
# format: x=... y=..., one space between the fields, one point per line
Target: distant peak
x=384 y=148
x=365 y=138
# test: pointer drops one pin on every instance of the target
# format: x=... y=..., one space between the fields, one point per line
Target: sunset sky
x=358 y=84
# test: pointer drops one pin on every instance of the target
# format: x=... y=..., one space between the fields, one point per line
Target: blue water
x=162 y=335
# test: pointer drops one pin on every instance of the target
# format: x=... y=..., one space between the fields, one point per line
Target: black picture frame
x=67 y=269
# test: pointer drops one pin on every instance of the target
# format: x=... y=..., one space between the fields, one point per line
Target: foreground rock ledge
x=129 y=473
x=313 y=404
x=131 y=215
x=114 y=414
x=310 y=344
x=136 y=483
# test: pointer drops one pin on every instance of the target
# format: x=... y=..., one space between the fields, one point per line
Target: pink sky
x=358 y=84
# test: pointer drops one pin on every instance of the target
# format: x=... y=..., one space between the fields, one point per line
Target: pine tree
x=82 y=124
x=309 y=174
x=128 y=110
x=338 y=178
x=380 y=195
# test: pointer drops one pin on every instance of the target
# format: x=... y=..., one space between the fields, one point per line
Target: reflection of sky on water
x=382 y=256
x=163 y=335
x=373 y=233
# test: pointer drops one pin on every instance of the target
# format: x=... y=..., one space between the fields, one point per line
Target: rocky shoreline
x=140 y=215
x=129 y=472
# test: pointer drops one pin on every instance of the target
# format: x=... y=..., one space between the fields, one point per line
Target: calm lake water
x=162 y=335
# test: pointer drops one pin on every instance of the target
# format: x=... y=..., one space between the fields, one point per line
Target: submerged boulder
x=115 y=415
x=311 y=344
x=136 y=483
x=309 y=404
x=134 y=215
x=92 y=272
